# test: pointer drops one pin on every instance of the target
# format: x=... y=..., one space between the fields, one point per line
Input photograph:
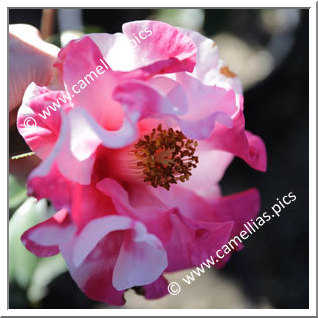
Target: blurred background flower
x=268 y=49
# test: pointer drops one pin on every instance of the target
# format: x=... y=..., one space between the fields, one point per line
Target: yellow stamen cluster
x=165 y=157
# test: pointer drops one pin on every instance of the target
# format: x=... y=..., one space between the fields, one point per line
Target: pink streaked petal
x=176 y=231
x=192 y=242
x=206 y=99
x=237 y=141
x=88 y=204
x=43 y=135
x=94 y=231
x=96 y=97
x=141 y=260
x=201 y=129
x=214 y=105
x=207 y=53
x=81 y=57
x=141 y=251
x=61 y=155
x=194 y=107
x=44 y=238
x=94 y=275
x=117 y=50
x=136 y=202
x=165 y=43
x=53 y=186
x=75 y=149
x=141 y=100
x=239 y=208
x=209 y=66
x=207 y=106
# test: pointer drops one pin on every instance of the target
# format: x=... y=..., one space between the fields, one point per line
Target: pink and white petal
x=166 y=97
x=139 y=203
x=237 y=141
x=140 y=100
x=210 y=69
x=75 y=149
x=88 y=203
x=207 y=54
x=141 y=259
x=122 y=57
x=96 y=94
x=94 y=232
x=117 y=50
x=223 y=77
x=201 y=129
x=175 y=230
x=80 y=171
x=205 y=99
x=44 y=238
x=84 y=56
x=165 y=43
x=40 y=130
x=215 y=163
x=94 y=275
x=207 y=105
x=52 y=186
x=239 y=208
x=192 y=242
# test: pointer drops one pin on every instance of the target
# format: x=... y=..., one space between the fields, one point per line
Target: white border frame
x=312 y=163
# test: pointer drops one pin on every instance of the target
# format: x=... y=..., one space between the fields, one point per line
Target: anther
x=166 y=157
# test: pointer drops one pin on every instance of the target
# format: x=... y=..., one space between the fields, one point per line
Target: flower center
x=165 y=157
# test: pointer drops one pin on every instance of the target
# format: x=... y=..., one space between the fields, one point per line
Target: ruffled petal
x=52 y=186
x=163 y=44
x=39 y=118
x=141 y=100
x=136 y=204
x=95 y=95
x=210 y=69
x=44 y=238
x=74 y=152
x=238 y=208
x=239 y=142
x=192 y=242
x=207 y=105
x=142 y=259
x=188 y=240
x=100 y=254
x=175 y=53
x=94 y=275
x=194 y=107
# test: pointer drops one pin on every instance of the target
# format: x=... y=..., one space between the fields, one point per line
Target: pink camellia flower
x=132 y=162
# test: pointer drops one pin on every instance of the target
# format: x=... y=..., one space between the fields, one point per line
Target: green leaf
x=17 y=193
x=22 y=263
x=46 y=270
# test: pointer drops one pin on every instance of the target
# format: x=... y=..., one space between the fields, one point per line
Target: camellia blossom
x=132 y=163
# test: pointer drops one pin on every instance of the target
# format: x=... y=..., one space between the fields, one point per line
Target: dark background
x=274 y=265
